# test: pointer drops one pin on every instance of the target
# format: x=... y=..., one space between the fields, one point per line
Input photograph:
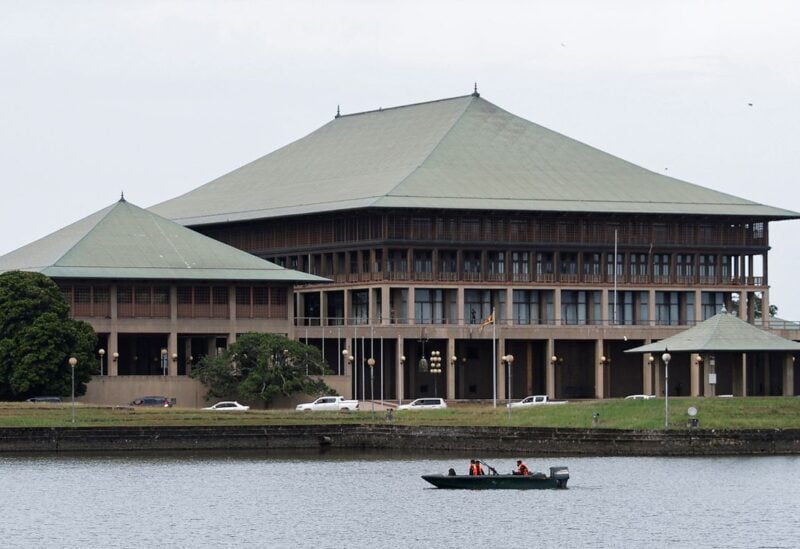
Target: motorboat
x=557 y=478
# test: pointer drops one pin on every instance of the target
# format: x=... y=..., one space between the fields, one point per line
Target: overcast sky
x=157 y=98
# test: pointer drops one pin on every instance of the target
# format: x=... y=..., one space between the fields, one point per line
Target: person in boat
x=521 y=469
x=475 y=468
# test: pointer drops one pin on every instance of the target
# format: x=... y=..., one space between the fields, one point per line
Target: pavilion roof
x=459 y=153
x=123 y=241
x=720 y=333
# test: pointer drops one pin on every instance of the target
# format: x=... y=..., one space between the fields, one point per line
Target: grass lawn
x=713 y=413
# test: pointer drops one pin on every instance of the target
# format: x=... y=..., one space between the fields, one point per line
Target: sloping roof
x=722 y=332
x=123 y=241
x=459 y=153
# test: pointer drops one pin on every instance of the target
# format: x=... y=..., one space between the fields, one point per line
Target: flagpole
x=494 y=360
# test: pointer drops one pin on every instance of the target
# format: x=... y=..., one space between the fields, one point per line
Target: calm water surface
x=379 y=500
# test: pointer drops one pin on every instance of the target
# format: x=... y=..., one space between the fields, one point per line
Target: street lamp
x=509 y=360
x=72 y=362
x=371 y=364
x=164 y=361
x=102 y=353
x=666 y=357
x=436 y=369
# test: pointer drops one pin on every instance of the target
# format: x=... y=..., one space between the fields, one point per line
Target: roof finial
x=475 y=91
x=338 y=114
x=122 y=196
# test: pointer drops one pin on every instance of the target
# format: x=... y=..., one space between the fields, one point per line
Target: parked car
x=152 y=401
x=424 y=404
x=535 y=400
x=328 y=404
x=228 y=406
x=639 y=397
x=45 y=399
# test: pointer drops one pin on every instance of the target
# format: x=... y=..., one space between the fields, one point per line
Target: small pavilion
x=728 y=356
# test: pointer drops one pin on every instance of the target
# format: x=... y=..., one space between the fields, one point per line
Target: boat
x=493 y=481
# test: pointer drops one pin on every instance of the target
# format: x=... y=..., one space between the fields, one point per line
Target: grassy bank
x=719 y=413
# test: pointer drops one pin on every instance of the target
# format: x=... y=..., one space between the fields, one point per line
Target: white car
x=639 y=397
x=228 y=406
x=424 y=404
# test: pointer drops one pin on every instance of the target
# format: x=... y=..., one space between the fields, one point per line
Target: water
x=379 y=501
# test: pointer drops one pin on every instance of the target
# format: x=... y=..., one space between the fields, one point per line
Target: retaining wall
x=528 y=441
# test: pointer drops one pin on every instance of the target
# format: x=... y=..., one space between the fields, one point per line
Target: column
x=557 y=306
x=401 y=367
x=450 y=368
x=385 y=305
x=347 y=307
x=460 y=306
x=411 y=305
x=694 y=375
x=550 y=377
x=502 y=382
x=172 y=349
x=112 y=365
x=509 y=306
x=113 y=336
x=647 y=374
x=698 y=306
x=788 y=374
x=599 y=370
x=528 y=368
x=651 y=307
x=604 y=315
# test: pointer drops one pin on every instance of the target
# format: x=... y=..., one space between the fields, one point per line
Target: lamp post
x=102 y=353
x=72 y=362
x=348 y=360
x=164 y=362
x=436 y=369
x=371 y=364
x=509 y=360
x=666 y=357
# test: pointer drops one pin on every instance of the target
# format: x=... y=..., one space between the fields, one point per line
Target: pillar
x=451 y=368
x=385 y=305
x=172 y=349
x=550 y=377
x=599 y=370
x=500 y=372
x=788 y=374
x=401 y=368
x=460 y=305
x=694 y=375
x=112 y=366
x=411 y=305
x=647 y=375
x=557 y=306
x=529 y=368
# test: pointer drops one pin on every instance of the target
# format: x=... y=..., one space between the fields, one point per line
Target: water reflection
x=374 y=499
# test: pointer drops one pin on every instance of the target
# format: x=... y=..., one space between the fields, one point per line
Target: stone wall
x=527 y=441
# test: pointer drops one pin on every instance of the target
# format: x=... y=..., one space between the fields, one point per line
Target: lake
x=377 y=499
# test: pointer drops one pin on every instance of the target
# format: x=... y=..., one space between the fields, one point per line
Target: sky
x=154 y=99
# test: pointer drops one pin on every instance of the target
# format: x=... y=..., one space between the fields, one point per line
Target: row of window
x=523 y=265
x=440 y=306
x=142 y=301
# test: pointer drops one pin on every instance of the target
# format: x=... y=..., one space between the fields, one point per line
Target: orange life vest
x=523 y=469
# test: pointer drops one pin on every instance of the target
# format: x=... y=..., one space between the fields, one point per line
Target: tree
x=757 y=305
x=262 y=367
x=37 y=338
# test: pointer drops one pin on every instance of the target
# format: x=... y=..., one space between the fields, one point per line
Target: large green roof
x=460 y=153
x=124 y=241
x=720 y=333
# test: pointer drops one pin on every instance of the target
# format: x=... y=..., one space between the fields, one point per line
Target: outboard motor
x=560 y=475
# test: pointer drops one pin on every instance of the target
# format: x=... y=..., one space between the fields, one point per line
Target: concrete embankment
x=528 y=441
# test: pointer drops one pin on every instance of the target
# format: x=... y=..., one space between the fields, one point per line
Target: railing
x=519 y=323
x=551 y=278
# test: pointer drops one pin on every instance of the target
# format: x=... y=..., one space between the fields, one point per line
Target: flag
x=489 y=320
